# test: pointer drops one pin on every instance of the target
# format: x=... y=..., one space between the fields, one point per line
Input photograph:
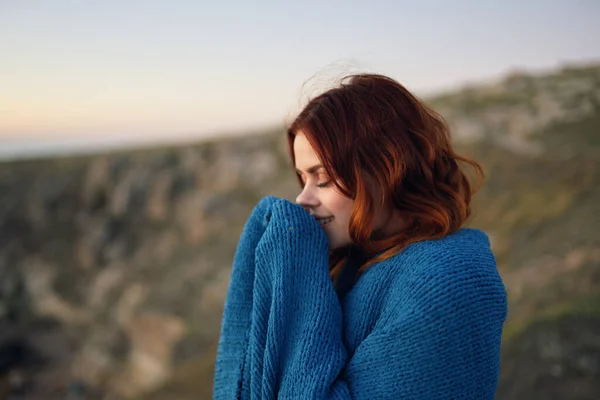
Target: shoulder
x=458 y=270
x=464 y=252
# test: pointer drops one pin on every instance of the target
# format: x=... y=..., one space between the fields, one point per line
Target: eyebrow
x=312 y=169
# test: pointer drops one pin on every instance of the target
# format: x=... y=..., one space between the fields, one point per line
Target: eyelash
x=320 y=185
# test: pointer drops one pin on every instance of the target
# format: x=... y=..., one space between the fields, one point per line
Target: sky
x=90 y=70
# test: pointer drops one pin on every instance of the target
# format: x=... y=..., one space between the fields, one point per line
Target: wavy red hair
x=372 y=130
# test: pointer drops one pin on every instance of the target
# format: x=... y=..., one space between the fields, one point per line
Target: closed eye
x=324 y=184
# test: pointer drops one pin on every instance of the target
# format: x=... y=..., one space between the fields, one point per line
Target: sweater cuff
x=296 y=216
x=295 y=236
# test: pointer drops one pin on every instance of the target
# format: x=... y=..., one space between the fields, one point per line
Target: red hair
x=372 y=129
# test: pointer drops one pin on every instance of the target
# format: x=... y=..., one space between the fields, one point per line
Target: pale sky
x=92 y=68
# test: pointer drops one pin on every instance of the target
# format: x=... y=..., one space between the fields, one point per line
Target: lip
x=318 y=218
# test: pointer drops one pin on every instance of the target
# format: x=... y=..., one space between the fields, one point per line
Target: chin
x=333 y=245
x=336 y=245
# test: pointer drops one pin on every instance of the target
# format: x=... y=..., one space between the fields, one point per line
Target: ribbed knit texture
x=425 y=324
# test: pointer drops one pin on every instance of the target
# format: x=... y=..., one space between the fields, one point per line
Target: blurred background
x=136 y=136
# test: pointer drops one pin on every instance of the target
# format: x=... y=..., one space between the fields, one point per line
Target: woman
x=369 y=287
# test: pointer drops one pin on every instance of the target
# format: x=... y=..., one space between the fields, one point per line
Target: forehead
x=304 y=154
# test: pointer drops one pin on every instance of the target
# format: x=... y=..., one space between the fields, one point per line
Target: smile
x=325 y=221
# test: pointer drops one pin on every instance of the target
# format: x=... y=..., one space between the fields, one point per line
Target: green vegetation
x=169 y=219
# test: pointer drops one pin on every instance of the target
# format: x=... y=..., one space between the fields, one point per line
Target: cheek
x=339 y=205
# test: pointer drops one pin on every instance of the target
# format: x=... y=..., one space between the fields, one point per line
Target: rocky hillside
x=114 y=267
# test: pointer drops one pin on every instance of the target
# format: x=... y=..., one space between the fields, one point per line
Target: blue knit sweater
x=425 y=324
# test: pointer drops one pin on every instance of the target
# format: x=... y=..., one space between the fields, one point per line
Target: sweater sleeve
x=295 y=345
x=296 y=336
x=235 y=326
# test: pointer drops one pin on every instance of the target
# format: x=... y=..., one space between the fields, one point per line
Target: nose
x=307 y=198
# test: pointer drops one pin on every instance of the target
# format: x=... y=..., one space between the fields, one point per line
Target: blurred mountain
x=114 y=267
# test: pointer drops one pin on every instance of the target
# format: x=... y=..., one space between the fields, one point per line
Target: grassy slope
x=544 y=214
